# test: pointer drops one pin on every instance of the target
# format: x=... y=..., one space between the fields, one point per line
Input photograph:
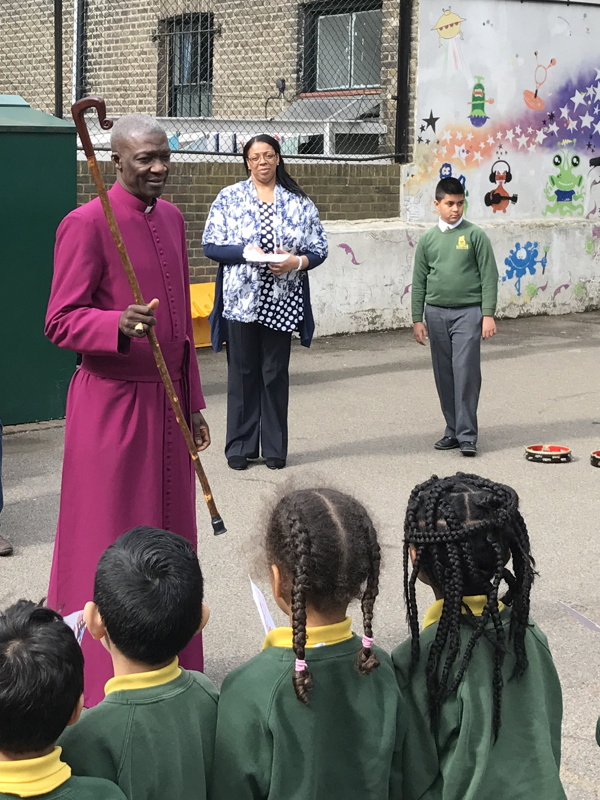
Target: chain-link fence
x=322 y=76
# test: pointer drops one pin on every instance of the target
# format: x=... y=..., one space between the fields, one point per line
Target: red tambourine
x=548 y=453
x=595 y=458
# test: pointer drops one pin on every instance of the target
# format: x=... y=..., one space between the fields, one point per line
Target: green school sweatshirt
x=156 y=743
x=50 y=778
x=338 y=747
x=462 y=762
x=454 y=268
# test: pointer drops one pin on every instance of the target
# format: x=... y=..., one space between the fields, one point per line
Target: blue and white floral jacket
x=234 y=222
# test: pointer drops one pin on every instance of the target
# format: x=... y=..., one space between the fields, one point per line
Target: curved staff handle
x=78 y=110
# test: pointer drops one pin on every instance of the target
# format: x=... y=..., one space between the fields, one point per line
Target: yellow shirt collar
x=144 y=680
x=31 y=777
x=315 y=637
x=475 y=602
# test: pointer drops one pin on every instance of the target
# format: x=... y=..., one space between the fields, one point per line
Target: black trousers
x=258 y=387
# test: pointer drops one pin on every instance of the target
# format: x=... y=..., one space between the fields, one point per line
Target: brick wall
x=341 y=192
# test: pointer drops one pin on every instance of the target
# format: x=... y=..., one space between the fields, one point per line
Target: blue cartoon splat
x=523 y=259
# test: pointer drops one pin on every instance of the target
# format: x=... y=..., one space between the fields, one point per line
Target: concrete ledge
x=545 y=267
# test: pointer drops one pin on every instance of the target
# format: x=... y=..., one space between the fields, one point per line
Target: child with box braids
x=480 y=677
x=319 y=709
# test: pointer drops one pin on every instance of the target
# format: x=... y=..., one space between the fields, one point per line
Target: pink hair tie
x=367 y=642
x=300 y=665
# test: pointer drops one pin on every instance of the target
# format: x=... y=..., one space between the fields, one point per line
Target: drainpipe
x=58 y=58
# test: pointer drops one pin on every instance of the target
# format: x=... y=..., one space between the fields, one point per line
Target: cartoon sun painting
x=448 y=25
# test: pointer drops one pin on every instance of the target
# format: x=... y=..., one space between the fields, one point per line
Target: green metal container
x=38 y=188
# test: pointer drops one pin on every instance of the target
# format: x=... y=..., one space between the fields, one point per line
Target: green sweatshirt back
x=155 y=743
x=454 y=268
x=78 y=789
x=462 y=761
x=340 y=745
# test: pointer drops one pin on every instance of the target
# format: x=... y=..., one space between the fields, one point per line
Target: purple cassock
x=125 y=462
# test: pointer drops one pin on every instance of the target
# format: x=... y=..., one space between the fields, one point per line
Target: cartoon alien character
x=478 y=116
x=565 y=189
x=446 y=172
x=498 y=198
x=523 y=259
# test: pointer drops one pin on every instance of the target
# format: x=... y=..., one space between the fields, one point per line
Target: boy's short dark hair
x=448 y=186
x=148 y=589
x=41 y=677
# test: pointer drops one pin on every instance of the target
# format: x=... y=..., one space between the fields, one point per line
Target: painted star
x=491 y=140
x=430 y=121
x=499 y=135
x=596 y=110
x=460 y=153
x=447 y=136
x=531 y=148
x=597 y=92
x=477 y=157
x=469 y=137
x=530 y=130
x=551 y=116
x=422 y=128
x=540 y=136
x=510 y=135
x=553 y=128
x=597 y=73
x=578 y=98
x=518 y=129
x=420 y=140
x=522 y=140
x=589 y=91
x=586 y=120
x=572 y=124
x=597 y=128
x=564 y=112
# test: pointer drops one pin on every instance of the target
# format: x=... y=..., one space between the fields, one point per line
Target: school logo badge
x=462 y=243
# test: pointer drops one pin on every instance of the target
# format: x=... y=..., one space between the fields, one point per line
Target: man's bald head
x=141 y=154
x=132 y=126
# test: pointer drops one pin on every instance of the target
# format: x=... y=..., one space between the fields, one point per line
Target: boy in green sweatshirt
x=454 y=293
x=41 y=685
x=153 y=733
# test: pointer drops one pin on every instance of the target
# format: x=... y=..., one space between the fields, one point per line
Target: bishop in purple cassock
x=125 y=461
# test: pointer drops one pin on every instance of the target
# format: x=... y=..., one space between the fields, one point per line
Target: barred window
x=342 y=50
x=187 y=49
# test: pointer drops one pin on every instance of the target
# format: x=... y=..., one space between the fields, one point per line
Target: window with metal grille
x=187 y=50
x=342 y=50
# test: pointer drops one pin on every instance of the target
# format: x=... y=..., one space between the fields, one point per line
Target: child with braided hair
x=483 y=698
x=316 y=714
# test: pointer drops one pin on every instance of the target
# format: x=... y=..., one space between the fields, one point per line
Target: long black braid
x=325 y=543
x=464 y=530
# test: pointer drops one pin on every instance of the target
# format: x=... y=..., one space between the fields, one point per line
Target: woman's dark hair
x=465 y=529
x=325 y=542
x=41 y=677
x=282 y=176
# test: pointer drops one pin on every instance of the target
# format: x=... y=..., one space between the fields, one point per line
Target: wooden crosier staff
x=77 y=110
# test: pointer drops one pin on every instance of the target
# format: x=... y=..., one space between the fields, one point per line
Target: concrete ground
x=363 y=417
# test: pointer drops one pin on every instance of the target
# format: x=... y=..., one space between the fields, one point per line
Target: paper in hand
x=76 y=622
x=262 y=608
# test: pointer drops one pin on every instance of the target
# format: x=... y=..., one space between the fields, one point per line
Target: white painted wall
x=374 y=293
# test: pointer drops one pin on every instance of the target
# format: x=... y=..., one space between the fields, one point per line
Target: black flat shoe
x=237 y=462
x=446 y=443
x=275 y=463
x=468 y=448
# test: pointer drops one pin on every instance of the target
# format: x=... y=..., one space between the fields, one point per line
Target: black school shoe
x=275 y=463
x=468 y=448
x=446 y=443
x=237 y=462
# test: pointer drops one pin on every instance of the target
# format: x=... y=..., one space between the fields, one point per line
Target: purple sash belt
x=139 y=365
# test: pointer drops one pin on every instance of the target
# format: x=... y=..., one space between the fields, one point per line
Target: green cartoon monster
x=565 y=189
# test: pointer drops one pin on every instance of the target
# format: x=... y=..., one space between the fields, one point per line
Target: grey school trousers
x=455 y=340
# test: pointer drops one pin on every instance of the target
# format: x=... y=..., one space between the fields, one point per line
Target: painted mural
x=509 y=103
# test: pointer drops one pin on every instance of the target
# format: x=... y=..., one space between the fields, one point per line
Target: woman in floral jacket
x=266 y=234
